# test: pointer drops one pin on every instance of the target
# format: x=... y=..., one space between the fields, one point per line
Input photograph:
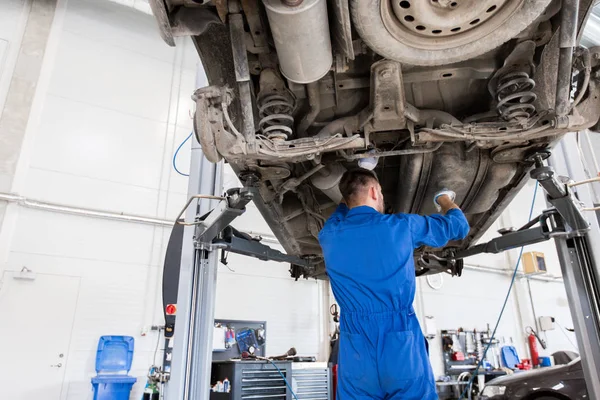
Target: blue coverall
x=369 y=260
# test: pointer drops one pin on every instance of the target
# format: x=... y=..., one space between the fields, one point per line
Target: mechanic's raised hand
x=444 y=200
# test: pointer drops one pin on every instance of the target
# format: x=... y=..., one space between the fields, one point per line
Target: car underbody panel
x=439 y=93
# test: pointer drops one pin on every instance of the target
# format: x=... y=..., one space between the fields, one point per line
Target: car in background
x=561 y=382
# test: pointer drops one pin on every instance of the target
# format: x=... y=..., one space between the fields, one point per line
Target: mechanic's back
x=369 y=260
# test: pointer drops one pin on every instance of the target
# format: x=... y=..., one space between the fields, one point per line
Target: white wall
x=112 y=104
x=257 y=290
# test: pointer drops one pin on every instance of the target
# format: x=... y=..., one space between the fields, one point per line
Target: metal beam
x=581 y=271
x=582 y=293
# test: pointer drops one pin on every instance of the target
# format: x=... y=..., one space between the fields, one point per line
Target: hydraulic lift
x=207 y=231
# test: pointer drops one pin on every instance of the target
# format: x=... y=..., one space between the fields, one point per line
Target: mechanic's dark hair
x=354 y=182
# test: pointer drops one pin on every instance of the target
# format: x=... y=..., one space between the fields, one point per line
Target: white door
x=36 y=318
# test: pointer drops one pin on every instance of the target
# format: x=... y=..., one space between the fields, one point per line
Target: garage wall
x=113 y=104
x=254 y=290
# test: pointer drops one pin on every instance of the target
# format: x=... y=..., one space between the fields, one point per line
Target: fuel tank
x=473 y=175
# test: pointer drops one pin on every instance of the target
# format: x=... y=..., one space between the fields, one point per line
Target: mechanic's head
x=360 y=187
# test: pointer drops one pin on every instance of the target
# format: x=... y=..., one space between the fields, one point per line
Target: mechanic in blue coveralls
x=369 y=260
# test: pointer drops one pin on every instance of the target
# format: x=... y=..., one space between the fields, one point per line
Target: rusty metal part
x=276 y=105
x=520 y=59
x=431 y=118
x=567 y=42
x=314 y=102
x=306 y=148
x=342 y=28
x=344 y=126
x=394 y=153
x=242 y=75
x=192 y=21
x=387 y=97
x=221 y=6
x=240 y=57
x=275 y=113
x=293 y=183
x=273 y=172
x=162 y=18
x=515 y=96
x=257 y=30
x=413 y=78
x=586 y=67
x=205 y=120
x=181 y=22
x=545 y=76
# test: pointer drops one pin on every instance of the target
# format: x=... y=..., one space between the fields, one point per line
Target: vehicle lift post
x=206 y=232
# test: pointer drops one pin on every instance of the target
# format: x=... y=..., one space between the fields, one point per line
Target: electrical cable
x=283 y=376
x=512 y=282
x=177 y=151
x=563 y=330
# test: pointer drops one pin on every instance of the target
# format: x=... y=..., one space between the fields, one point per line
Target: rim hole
x=436 y=31
x=502 y=129
x=386 y=108
x=455 y=29
x=475 y=21
x=447 y=75
x=405 y=4
x=420 y=28
x=492 y=8
x=409 y=18
x=341 y=85
x=453 y=4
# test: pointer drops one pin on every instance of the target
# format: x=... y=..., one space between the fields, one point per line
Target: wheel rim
x=443 y=24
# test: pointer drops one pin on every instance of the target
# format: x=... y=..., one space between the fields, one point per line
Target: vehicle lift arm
x=213 y=231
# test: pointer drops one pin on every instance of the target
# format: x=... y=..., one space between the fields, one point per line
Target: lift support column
x=579 y=258
x=577 y=240
x=192 y=350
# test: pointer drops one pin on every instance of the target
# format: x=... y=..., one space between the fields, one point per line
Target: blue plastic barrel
x=113 y=362
x=117 y=387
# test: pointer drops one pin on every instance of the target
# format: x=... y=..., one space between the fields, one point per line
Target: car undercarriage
x=441 y=93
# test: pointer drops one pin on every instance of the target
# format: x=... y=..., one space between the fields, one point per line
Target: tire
x=366 y=16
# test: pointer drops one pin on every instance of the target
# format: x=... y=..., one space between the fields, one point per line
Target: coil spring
x=515 y=96
x=275 y=113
